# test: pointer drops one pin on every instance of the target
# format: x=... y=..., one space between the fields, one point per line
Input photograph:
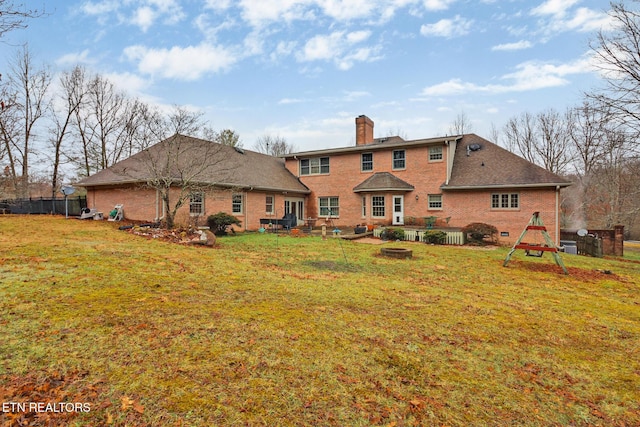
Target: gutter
x=499 y=186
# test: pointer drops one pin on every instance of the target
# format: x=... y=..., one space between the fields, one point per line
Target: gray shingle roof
x=383 y=181
x=491 y=166
x=228 y=167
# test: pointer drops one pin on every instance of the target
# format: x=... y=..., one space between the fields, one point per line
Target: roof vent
x=239 y=150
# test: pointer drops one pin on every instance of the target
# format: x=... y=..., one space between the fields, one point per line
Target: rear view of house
x=452 y=181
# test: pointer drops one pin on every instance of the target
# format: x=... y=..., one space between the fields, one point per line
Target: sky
x=305 y=69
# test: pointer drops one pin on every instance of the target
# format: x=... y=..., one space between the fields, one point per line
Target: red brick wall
x=463 y=207
x=139 y=204
x=466 y=207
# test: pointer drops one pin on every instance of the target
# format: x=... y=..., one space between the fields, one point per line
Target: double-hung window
x=366 y=164
x=399 y=160
x=377 y=206
x=505 y=201
x=196 y=204
x=269 y=203
x=236 y=203
x=435 y=201
x=329 y=206
x=315 y=166
x=435 y=153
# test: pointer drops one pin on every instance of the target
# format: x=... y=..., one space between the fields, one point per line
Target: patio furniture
x=430 y=221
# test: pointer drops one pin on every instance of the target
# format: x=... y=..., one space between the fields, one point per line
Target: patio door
x=398 y=210
x=295 y=206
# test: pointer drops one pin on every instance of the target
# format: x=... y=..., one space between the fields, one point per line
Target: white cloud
x=528 y=76
x=556 y=8
x=188 y=63
x=287 y=101
x=218 y=5
x=522 y=44
x=437 y=4
x=557 y=17
x=339 y=47
x=143 y=18
x=73 y=59
x=344 y=10
x=458 y=26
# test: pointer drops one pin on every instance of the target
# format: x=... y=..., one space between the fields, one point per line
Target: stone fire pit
x=400 y=253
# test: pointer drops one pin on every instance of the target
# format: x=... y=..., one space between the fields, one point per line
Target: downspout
x=159 y=218
x=557 y=215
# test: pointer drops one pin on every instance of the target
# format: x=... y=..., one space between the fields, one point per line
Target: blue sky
x=304 y=69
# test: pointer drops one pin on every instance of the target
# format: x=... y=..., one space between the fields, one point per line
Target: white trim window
x=505 y=201
x=196 y=204
x=237 y=203
x=435 y=201
x=329 y=206
x=366 y=162
x=377 y=207
x=399 y=159
x=269 y=204
x=435 y=153
x=364 y=206
x=314 y=166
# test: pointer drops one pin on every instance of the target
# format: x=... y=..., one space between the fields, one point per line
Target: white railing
x=453 y=237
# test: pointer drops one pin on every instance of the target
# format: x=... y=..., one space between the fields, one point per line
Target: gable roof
x=229 y=167
x=479 y=163
x=383 y=181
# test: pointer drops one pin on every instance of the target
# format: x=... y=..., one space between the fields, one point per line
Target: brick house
x=457 y=179
x=380 y=181
x=241 y=182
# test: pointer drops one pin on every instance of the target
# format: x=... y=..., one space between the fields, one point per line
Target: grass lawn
x=284 y=331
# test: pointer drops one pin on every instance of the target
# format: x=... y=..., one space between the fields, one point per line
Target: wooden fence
x=589 y=245
x=454 y=237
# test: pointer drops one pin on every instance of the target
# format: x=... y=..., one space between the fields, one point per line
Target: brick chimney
x=364 y=130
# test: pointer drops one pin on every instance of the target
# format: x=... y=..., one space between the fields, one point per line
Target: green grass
x=276 y=330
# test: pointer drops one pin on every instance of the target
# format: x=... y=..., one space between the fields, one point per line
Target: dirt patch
x=369 y=240
x=575 y=272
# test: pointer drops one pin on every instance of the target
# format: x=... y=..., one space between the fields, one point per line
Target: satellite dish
x=67 y=190
x=582 y=232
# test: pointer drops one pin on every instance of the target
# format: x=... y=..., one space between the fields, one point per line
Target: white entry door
x=398 y=210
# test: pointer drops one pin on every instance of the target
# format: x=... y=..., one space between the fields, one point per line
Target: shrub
x=478 y=232
x=219 y=222
x=435 y=236
x=392 y=234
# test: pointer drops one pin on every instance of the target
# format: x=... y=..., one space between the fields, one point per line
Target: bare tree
x=14 y=16
x=519 y=133
x=542 y=139
x=228 y=137
x=179 y=166
x=618 y=58
x=26 y=102
x=273 y=145
x=108 y=125
x=461 y=124
x=71 y=97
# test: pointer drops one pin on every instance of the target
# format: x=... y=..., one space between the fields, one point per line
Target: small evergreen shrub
x=436 y=237
x=480 y=233
x=392 y=234
x=218 y=223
